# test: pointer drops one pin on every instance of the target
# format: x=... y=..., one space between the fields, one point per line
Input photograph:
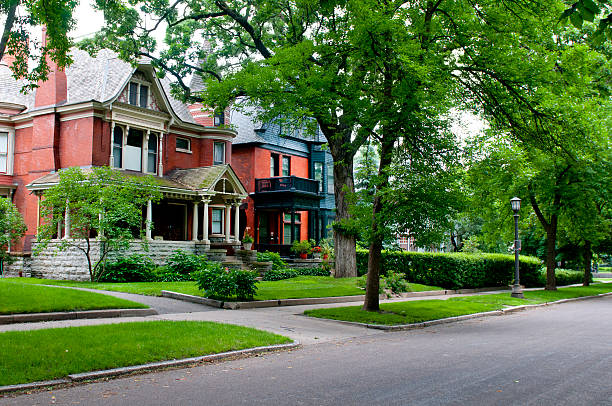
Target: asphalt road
x=557 y=355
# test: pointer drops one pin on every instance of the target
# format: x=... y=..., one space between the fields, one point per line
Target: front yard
x=294 y=288
x=17 y=297
x=30 y=356
x=425 y=310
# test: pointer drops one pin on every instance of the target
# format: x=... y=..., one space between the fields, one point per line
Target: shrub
x=135 y=268
x=563 y=277
x=396 y=282
x=219 y=283
x=287 y=273
x=301 y=247
x=454 y=270
x=184 y=263
x=274 y=257
x=164 y=274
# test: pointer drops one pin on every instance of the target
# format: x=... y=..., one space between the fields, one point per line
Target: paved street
x=554 y=355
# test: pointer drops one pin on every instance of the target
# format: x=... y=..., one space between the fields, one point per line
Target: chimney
x=54 y=90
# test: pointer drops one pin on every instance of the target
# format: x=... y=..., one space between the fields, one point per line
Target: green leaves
x=12 y=227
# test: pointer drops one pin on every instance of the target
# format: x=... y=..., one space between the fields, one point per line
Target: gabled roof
x=205 y=179
x=100 y=78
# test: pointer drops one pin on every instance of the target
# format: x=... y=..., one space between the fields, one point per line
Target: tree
x=103 y=207
x=588 y=10
x=12 y=228
x=16 y=40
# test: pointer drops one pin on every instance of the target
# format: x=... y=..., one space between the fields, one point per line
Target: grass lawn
x=424 y=310
x=18 y=297
x=294 y=288
x=602 y=279
x=29 y=356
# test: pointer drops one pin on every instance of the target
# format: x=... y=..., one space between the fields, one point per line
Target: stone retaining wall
x=71 y=263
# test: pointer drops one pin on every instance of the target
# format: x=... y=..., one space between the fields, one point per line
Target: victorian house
x=102 y=111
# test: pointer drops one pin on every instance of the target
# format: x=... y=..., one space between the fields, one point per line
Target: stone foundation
x=71 y=263
x=21 y=266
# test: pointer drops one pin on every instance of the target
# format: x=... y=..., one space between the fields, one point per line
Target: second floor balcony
x=285 y=192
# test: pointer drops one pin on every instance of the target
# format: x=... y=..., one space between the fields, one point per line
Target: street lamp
x=515 y=202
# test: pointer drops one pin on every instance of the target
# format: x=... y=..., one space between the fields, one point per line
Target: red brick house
x=102 y=111
x=289 y=176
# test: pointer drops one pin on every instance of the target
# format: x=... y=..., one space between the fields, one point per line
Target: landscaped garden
x=425 y=310
x=30 y=356
x=19 y=297
x=293 y=288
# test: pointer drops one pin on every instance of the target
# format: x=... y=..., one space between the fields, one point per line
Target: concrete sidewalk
x=288 y=321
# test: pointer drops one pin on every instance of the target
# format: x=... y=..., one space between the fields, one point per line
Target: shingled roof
x=98 y=78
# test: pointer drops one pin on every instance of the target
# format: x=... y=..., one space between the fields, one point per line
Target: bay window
x=4 y=152
x=219 y=153
x=318 y=174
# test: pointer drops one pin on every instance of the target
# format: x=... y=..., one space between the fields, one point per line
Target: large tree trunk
x=8 y=26
x=551 y=254
x=344 y=239
x=371 y=302
x=588 y=258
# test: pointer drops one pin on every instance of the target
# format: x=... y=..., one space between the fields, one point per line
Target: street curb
x=108 y=373
x=509 y=310
x=258 y=304
x=89 y=314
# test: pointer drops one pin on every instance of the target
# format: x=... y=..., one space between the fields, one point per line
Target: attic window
x=219 y=119
x=139 y=95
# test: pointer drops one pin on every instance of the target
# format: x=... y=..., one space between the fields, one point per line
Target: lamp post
x=515 y=202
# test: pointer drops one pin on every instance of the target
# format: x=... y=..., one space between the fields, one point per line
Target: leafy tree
x=12 y=228
x=16 y=40
x=588 y=10
x=103 y=206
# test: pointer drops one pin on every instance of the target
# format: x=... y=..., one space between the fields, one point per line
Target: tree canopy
x=16 y=40
x=12 y=227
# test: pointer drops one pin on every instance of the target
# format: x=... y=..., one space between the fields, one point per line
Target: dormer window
x=219 y=119
x=139 y=95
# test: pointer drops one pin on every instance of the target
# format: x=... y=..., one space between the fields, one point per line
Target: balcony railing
x=286 y=184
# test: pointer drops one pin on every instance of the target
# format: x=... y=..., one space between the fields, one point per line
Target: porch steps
x=233 y=262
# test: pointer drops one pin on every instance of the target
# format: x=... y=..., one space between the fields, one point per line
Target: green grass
x=18 y=297
x=424 y=310
x=294 y=288
x=29 y=356
x=602 y=279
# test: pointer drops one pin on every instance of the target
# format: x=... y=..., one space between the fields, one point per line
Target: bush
x=274 y=257
x=183 y=263
x=454 y=270
x=219 y=283
x=135 y=268
x=287 y=273
x=563 y=277
x=164 y=274
x=396 y=282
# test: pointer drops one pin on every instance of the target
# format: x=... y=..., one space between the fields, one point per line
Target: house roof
x=245 y=126
x=100 y=78
x=206 y=178
x=203 y=179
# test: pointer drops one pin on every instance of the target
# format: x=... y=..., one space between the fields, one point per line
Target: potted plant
x=302 y=248
x=247 y=239
x=316 y=252
x=327 y=248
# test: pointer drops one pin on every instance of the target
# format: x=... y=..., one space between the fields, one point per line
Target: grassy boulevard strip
x=410 y=312
x=32 y=356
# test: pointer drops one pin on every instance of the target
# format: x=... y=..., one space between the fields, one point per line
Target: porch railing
x=286 y=183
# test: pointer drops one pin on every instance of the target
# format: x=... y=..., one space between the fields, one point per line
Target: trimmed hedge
x=456 y=270
x=279 y=274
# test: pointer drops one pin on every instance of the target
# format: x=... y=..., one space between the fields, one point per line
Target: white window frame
x=147 y=153
x=215 y=162
x=139 y=84
x=10 y=150
x=188 y=150
x=212 y=230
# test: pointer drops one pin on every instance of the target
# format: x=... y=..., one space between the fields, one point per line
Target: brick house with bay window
x=102 y=111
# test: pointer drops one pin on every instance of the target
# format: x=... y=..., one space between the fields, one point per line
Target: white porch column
x=160 y=149
x=237 y=222
x=228 y=218
x=111 y=158
x=149 y=223
x=125 y=137
x=205 y=225
x=145 y=152
x=67 y=220
x=196 y=222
